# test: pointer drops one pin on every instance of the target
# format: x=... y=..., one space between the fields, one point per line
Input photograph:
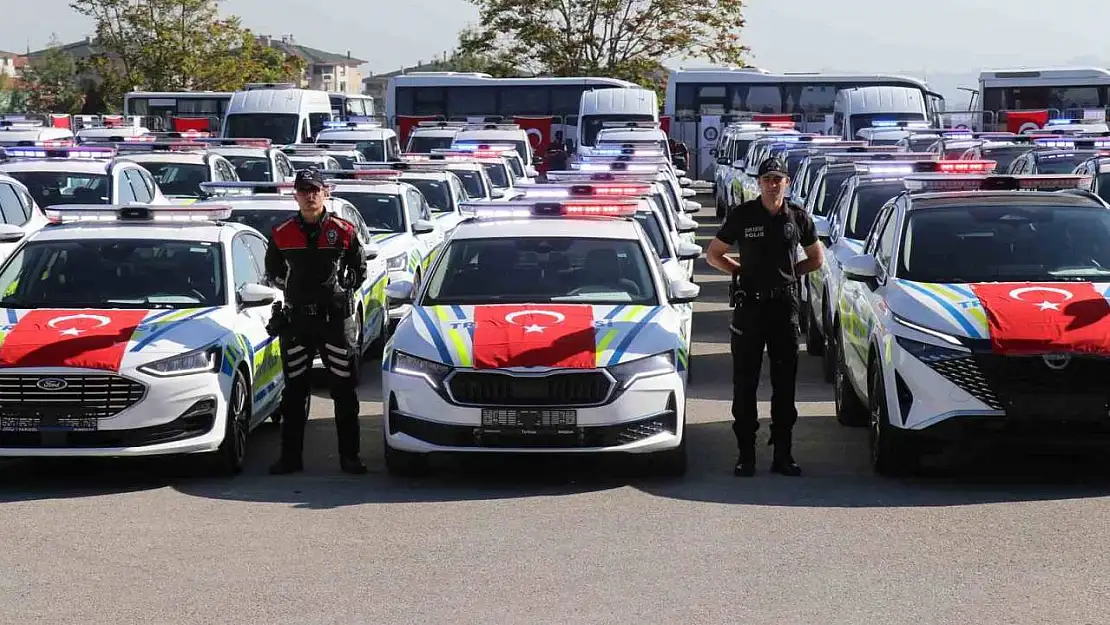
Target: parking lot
x=1005 y=539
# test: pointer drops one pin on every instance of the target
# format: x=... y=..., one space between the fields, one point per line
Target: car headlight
x=397 y=263
x=407 y=364
x=204 y=360
x=651 y=366
x=927 y=352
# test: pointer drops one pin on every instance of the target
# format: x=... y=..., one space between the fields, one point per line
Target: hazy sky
x=785 y=35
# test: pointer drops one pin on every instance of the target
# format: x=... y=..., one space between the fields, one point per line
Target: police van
x=860 y=108
x=282 y=114
x=599 y=106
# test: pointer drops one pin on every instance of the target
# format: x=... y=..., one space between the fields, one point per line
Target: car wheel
x=831 y=349
x=403 y=463
x=669 y=463
x=850 y=409
x=892 y=453
x=230 y=458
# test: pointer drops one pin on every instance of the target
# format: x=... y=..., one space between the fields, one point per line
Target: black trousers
x=336 y=341
x=769 y=321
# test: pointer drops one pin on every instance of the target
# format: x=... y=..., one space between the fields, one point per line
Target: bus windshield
x=593 y=124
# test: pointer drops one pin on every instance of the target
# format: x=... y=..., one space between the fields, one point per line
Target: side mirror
x=692 y=207
x=400 y=292
x=685 y=182
x=688 y=251
x=739 y=164
x=685 y=224
x=680 y=172
x=689 y=193
x=531 y=172
x=496 y=194
x=371 y=251
x=422 y=226
x=10 y=233
x=682 y=292
x=537 y=160
x=253 y=294
x=861 y=268
x=723 y=161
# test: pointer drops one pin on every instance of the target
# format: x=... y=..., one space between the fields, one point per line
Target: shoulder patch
x=343 y=223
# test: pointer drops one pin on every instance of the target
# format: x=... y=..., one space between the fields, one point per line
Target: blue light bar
x=1064 y=122
x=538 y=207
x=352 y=125
x=1055 y=143
x=959 y=134
x=76 y=152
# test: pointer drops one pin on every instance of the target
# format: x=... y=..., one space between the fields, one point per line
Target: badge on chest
x=753 y=232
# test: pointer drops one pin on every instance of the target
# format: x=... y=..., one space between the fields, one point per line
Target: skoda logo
x=51 y=384
x=1057 y=362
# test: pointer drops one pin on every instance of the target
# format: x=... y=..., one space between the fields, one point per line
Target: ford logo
x=52 y=384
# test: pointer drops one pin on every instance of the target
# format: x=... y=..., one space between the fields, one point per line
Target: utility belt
x=287 y=316
x=738 y=296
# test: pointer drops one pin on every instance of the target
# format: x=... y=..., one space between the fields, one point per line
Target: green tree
x=51 y=83
x=626 y=39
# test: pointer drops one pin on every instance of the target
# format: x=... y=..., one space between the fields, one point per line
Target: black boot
x=286 y=465
x=783 y=461
x=352 y=465
x=745 y=464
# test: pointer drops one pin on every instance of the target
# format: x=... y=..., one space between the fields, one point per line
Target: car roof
x=239 y=150
x=946 y=199
x=515 y=135
x=623 y=229
x=385 y=188
x=370 y=134
x=206 y=232
x=84 y=166
x=426 y=175
x=195 y=158
x=1051 y=152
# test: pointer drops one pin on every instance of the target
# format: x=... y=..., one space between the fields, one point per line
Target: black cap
x=308 y=178
x=773 y=166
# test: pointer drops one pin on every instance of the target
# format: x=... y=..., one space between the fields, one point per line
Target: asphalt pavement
x=1006 y=539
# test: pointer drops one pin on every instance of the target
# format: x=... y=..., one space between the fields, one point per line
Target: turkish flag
x=60 y=120
x=405 y=124
x=534 y=336
x=94 y=339
x=185 y=124
x=1038 y=318
x=1021 y=121
x=665 y=124
x=539 y=132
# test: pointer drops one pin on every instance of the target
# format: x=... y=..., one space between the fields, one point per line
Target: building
x=325 y=71
x=11 y=64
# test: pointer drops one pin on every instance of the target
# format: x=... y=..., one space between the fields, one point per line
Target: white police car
x=255 y=160
x=19 y=214
x=81 y=175
x=136 y=331
x=543 y=327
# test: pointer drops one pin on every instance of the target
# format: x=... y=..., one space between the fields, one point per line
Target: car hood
x=111 y=339
x=614 y=334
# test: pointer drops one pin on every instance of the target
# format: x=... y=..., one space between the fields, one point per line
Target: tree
x=50 y=82
x=178 y=45
x=626 y=39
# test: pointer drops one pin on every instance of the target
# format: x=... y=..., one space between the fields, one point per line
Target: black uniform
x=766 y=314
x=317 y=266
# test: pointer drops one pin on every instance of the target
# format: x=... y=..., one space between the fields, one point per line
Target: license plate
x=31 y=422
x=1066 y=407
x=528 y=419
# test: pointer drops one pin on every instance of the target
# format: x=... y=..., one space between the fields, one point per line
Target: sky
x=934 y=38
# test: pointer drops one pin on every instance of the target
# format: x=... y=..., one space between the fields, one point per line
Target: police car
x=375 y=142
x=497 y=133
x=347 y=157
x=180 y=168
x=94 y=129
x=861 y=197
x=475 y=181
x=255 y=160
x=310 y=156
x=441 y=189
x=19 y=214
x=1002 y=151
x=731 y=154
x=136 y=331
x=543 y=327
x=80 y=175
x=265 y=207
x=497 y=167
x=1056 y=155
x=521 y=173
x=400 y=223
x=18 y=130
x=746 y=186
x=1098 y=168
x=432 y=135
x=977 y=307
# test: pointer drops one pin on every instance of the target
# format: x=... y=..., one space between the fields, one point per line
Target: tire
x=814 y=342
x=722 y=209
x=892 y=453
x=378 y=346
x=850 y=409
x=831 y=350
x=403 y=463
x=231 y=457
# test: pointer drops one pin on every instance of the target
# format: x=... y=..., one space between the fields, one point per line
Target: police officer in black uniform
x=764 y=292
x=318 y=261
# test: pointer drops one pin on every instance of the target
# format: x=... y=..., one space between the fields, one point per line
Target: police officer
x=317 y=260
x=767 y=232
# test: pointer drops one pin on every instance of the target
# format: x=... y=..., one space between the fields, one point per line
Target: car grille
x=997 y=379
x=99 y=396
x=559 y=389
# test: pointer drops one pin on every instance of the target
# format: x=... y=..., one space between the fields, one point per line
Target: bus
x=701 y=101
x=466 y=96
x=1025 y=99
x=159 y=109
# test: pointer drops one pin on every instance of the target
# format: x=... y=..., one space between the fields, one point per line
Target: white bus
x=1019 y=98
x=160 y=108
x=700 y=102
x=463 y=96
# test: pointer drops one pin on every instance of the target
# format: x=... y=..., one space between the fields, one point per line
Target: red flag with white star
x=93 y=339
x=534 y=336
x=1038 y=318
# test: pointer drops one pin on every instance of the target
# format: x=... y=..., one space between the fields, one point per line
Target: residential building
x=11 y=64
x=325 y=71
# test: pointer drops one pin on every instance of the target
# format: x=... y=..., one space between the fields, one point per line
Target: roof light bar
x=477 y=146
x=597 y=189
x=988 y=182
x=570 y=208
x=957 y=167
x=352 y=125
x=891 y=123
x=162 y=146
x=626 y=151
x=260 y=187
x=357 y=174
x=68 y=213
x=241 y=142
x=857 y=157
x=72 y=152
x=630 y=124
x=618 y=166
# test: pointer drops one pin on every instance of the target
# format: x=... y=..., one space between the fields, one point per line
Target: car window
x=243 y=267
x=126 y=192
x=257 y=247
x=413 y=201
x=138 y=186
x=285 y=168
x=11 y=209
x=225 y=171
x=885 y=247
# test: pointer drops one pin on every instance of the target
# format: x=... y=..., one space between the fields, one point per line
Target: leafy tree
x=626 y=39
x=50 y=82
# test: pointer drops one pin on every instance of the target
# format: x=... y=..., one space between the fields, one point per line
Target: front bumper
x=179 y=415
x=647 y=417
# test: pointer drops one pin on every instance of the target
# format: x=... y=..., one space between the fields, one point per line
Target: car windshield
x=497 y=174
x=793 y=163
x=423 y=144
x=372 y=150
x=518 y=169
x=380 y=211
x=868 y=120
x=594 y=123
x=1103 y=185
x=809 y=176
x=1007 y=243
x=829 y=191
x=649 y=221
x=1063 y=163
x=869 y=198
x=1004 y=155
x=251 y=168
x=664 y=207
x=261 y=219
x=571 y=270
x=280 y=128
x=308 y=162
x=472 y=182
x=114 y=273
x=345 y=162
x=179 y=179
x=435 y=191
x=50 y=188
x=920 y=144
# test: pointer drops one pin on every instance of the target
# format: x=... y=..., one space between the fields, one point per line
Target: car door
x=426 y=244
x=372 y=291
x=248 y=252
x=822 y=281
x=870 y=294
